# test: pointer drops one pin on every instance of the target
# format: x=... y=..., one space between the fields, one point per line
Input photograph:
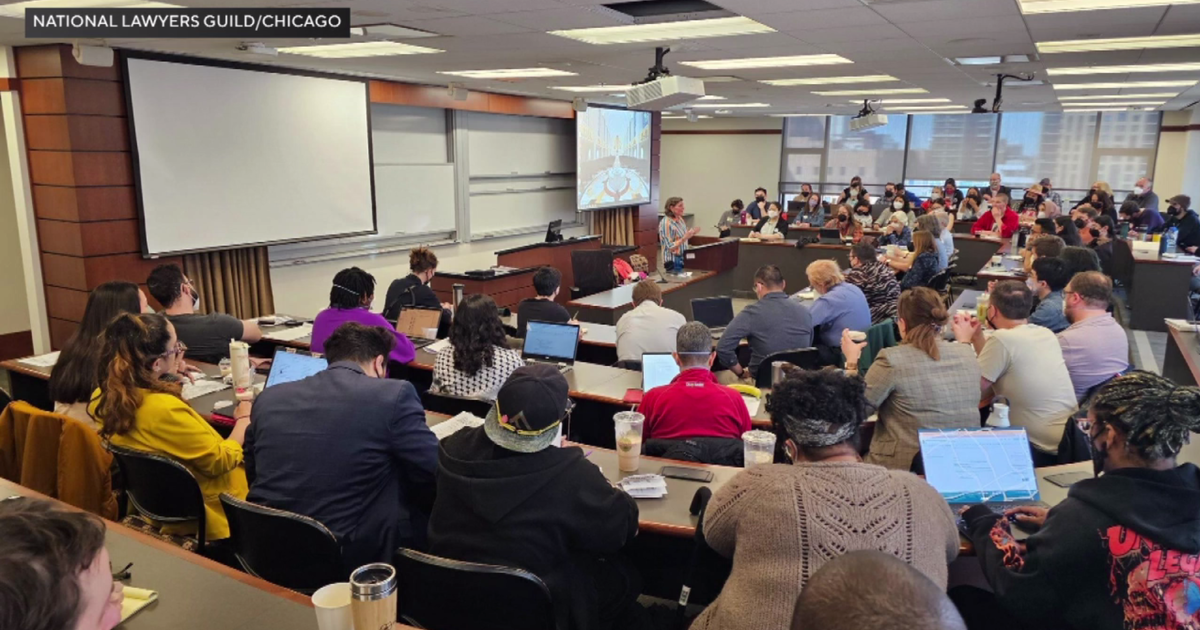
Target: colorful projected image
x=613 y=158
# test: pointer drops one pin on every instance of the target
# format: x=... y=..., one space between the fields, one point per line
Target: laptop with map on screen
x=969 y=466
x=292 y=365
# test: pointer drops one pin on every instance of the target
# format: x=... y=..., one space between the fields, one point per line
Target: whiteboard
x=500 y=213
x=414 y=198
x=501 y=144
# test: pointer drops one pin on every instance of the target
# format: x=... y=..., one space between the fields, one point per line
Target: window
x=1129 y=130
x=804 y=132
x=802 y=168
x=1034 y=145
x=1122 y=171
x=1126 y=148
x=951 y=145
x=876 y=155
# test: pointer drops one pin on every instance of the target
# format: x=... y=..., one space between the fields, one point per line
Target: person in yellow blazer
x=138 y=410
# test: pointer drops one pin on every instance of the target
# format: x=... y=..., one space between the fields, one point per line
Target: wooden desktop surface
x=557 y=255
x=1182 y=361
x=1159 y=290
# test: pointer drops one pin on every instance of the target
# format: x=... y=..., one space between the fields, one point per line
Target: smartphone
x=1066 y=480
x=691 y=474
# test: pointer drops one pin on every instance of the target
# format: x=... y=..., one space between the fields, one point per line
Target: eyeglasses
x=179 y=350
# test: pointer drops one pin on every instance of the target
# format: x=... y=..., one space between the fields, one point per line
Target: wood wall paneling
x=391 y=93
x=72 y=96
x=60 y=237
x=64 y=168
x=61 y=331
x=99 y=238
x=101 y=203
x=56 y=60
x=67 y=304
x=16 y=345
x=10 y=85
x=73 y=132
x=129 y=267
x=60 y=270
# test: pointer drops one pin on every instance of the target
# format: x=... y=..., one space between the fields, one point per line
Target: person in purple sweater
x=350 y=301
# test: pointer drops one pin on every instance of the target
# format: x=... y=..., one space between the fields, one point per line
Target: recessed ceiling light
x=920 y=108
x=359 y=49
x=510 y=73
x=1124 y=85
x=862 y=78
x=1058 y=6
x=873 y=92
x=909 y=101
x=666 y=31
x=1152 y=67
x=17 y=10
x=1106 y=104
x=991 y=60
x=590 y=88
x=767 y=62
x=1118 y=43
x=711 y=97
x=394 y=31
x=1117 y=97
x=727 y=105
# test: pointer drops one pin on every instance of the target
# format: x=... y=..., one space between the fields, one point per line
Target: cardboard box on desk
x=1144 y=250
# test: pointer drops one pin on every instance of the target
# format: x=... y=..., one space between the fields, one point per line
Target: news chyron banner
x=227 y=22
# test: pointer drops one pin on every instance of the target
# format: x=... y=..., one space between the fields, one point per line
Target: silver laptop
x=969 y=466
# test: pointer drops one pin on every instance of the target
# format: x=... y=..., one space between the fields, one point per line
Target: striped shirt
x=879 y=284
x=672 y=231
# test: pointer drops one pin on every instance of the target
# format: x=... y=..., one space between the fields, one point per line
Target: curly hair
x=1155 y=415
x=421 y=259
x=475 y=333
x=809 y=407
x=131 y=344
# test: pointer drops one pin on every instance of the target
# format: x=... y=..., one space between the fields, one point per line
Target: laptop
x=969 y=466
x=547 y=342
x=829 y=236
x=413 y=321
x=658 y=369
x=292 y=365
x=715 y=312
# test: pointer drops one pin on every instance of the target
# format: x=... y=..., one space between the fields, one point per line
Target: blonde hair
x=923 y=241
x=924 y=315
x=1105 y=187
x=671 y=203
x=825 y=274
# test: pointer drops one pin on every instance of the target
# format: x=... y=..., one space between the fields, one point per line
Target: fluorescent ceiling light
x=665 y=117
x=590 y=88
x=991 y=60
x=1058 y=6
x=1106 y=109
x=1118 y=97
x=1122 y=105
x=767 y=62
x=873 y=92
x=510 y=73
x=931 y=108
x=394 y=31
x=1124 y=85
x=1118 y=43
x=909 y=101
x=1152 y=67
x=711 y=97
x=666 y=31
x=726 y=105
x=17 y=10
x=359 y=49
x=863 y=78
x=721 y=78
x=794 y=115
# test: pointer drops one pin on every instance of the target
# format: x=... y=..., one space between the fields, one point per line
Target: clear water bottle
x=1170 y=240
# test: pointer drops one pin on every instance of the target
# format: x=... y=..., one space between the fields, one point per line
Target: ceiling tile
x=466 y=26
x=556 y=19
x=754 y=8
x=972 y=11
x=850 y=34
x=999 y=28
x=485 y=7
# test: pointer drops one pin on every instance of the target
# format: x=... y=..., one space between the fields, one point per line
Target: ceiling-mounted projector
x=660 y=90
x=868 y=121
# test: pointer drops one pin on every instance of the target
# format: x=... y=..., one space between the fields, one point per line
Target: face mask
x=843 y=218
x=195 y=300
x=1173 y=210
x=855 y=185
x=1042 y=214
x=1080 y=223
x=1032 y=285
x=813 y=201
x=760 y=198
x=1139 y=191
x=974 y=198
x=889 y=194
x=937 y=195
x=774 y=214
x=898 y=205
x=995 y=185
x=1095 y=233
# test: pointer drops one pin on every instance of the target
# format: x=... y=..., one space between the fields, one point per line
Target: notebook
x=967 y=466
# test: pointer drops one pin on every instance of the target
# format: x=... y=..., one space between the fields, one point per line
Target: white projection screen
x=230 y=157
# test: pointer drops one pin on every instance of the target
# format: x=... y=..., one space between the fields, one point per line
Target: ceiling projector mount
x=659 y=90
x=659 y=70
x=980 y=104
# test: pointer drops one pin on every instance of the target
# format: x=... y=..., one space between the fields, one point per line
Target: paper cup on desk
x=997 y=260
x=332 y=604
x=891 y=251
x=758 y=447
x=628 y=427
x=429 y=333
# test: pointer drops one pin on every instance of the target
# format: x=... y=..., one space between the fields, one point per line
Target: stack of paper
x=292 y=334
x=462 y=421
x=437 y=346
x=135 y=600
x=202 y=388
x=43 y=361
x=752 y=404
x=644 y=486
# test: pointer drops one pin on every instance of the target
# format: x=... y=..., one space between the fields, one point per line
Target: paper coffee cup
x=332 y=603
x=858 y=336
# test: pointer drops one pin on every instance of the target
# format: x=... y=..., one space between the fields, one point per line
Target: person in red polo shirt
x=694 y=404
x=1002 y=220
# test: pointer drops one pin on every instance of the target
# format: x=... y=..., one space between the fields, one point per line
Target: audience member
x=1095 y=347
x=1047 y=279
x=673 y=234
x=1079 y=260
x=758 y=208
x=350 y=301
x=924 y=262
x=903 y=191
x=1185 y=220
x=883 y=203
x=478 y=360
x=876 y=280
x=935 y=195
x=862 y=216
x=694 y=404
x=729 y=217
x=73 y=378
x=413 y=290
x=1117 y=552
x=1102 y=203
x=1142 y=220
x=925 y=382
x=55 y=573
x=1000 y=221
x=1067 y=231
x=1050 y=194
x=953 y=195
x=899 y=208
x=774 y=521
x=772 y=324
x=1143 y=195
x=839 y=305
x=508 y=494
x=994 y=189
x=1043 y=227
x=206 y=337
x=936 y=223
x=648 y=327
x=896 y=231
x=973 y=206
x=137 y=409
x=812 y=212
x=1031 y=201
x=1100 y=234
x=846 y=595
x=547 y=281
x=1022 y=362
x=854 y=193
x=348 y=447
x=841 y=221
x=771 y=227
x=1045 y=246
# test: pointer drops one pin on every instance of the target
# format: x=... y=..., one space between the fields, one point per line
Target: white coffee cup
x=332 y=603
x=429 y=333
x=858 y=336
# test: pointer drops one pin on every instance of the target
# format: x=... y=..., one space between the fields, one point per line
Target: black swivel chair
x=593 y=270
x=283 y=548
x=803 y=358
x=443 y=594
x=454 y=405
x=631 y=364
x=707 y=570
x=161 y=489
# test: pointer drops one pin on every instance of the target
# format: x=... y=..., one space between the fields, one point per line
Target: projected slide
x=613 y=158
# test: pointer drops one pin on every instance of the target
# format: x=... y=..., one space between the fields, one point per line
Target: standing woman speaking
x=673 y=235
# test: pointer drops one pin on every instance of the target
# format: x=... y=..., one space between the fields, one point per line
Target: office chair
x=161 y=489
x=707 y=570
x=454 y=405
x=803 y=358
x=593 y=270
x=283 y=548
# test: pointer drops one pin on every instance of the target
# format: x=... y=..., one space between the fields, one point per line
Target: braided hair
x=350 y=286
x=1155 y=414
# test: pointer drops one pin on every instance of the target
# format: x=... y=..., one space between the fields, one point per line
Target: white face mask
x=1032 y=285
x=774 y=214
x=1042 y=214
x=937 y=195
x=1139 y=191
x=899 y=205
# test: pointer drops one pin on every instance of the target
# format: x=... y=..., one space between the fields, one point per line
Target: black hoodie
x=551 y=513
x=1120 y=552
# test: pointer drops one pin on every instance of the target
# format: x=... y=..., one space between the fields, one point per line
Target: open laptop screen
x=288 y=366
x=413 y=321
x=979 y=465
x=658 y=369
x=551 y=342
x=713 y=312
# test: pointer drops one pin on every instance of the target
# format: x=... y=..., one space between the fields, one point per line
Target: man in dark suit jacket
x=995 y=188
x=348 y=447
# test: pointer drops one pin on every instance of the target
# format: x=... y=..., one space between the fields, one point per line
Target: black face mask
x=1095 y=232
x=760 y=198
x=1174 y=211
x=975 y=198
x=889 y=194
x=843 y=218
x=1031 y=201
x=856 y=184
x=1080 y=223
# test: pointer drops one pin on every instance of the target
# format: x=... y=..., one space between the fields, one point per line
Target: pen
x=588 y=454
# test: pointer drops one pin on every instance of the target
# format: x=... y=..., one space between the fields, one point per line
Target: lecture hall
x=600 y=314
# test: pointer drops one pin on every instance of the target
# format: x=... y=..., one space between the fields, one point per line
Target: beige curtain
x=235 y=281
x=616 y=226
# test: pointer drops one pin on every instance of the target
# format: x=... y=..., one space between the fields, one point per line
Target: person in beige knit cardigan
x=781 y=523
